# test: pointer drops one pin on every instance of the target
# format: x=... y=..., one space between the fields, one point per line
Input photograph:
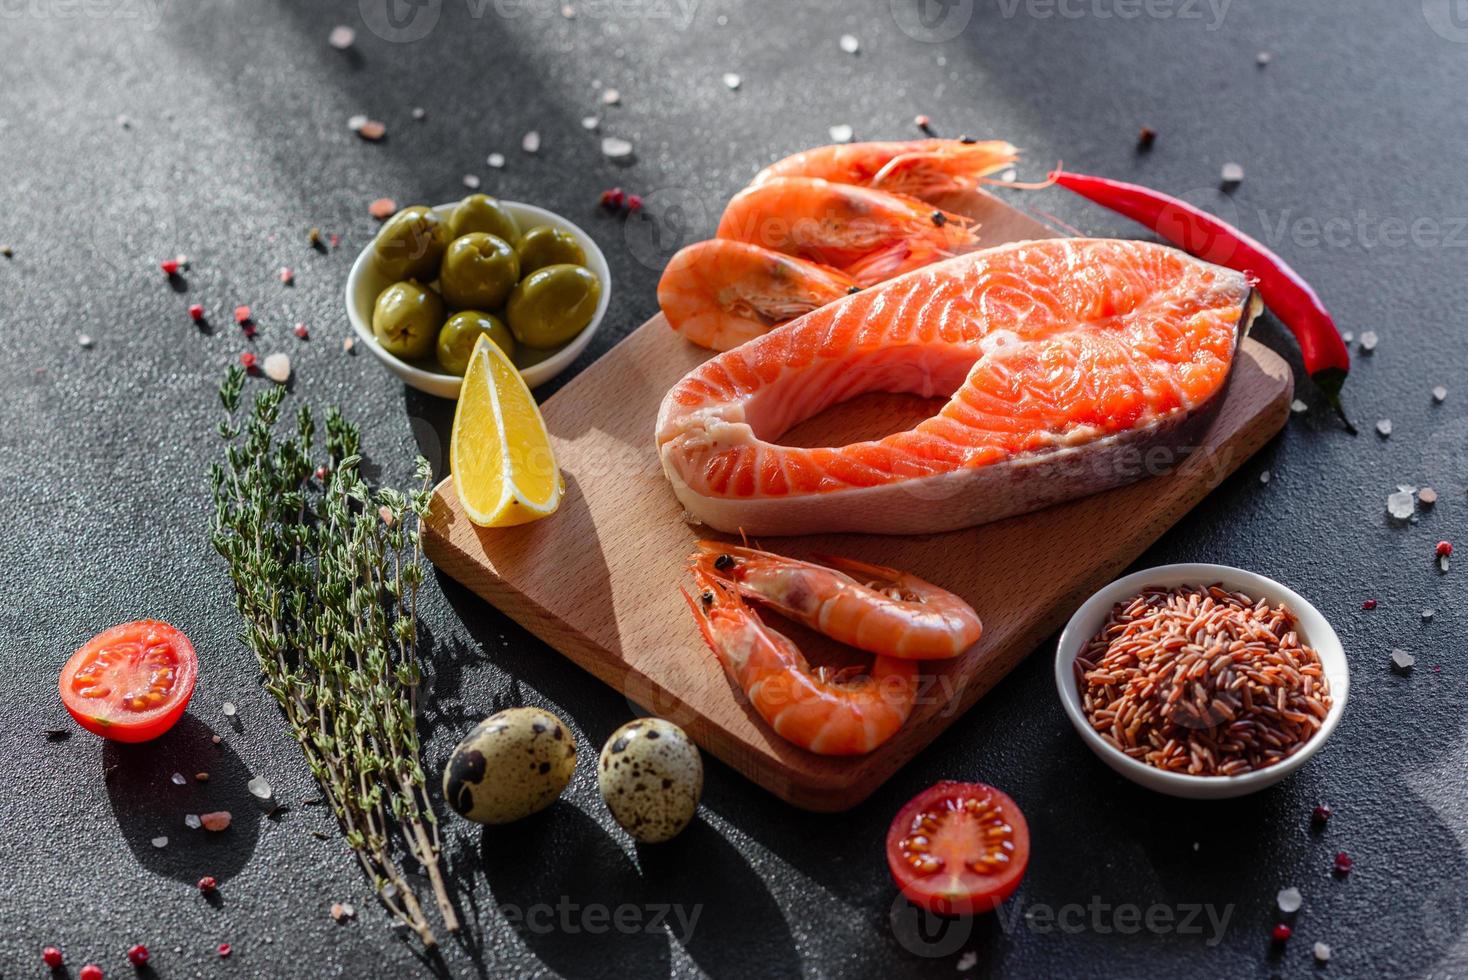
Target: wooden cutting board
x=599 y=580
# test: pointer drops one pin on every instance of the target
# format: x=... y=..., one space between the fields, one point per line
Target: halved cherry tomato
x=958 y=848
x=130 y=683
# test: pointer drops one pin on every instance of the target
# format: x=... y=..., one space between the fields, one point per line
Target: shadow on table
x=721 y=912
x=148 y=805
x=572 y=896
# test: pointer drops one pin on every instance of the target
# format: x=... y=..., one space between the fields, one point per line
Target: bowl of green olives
x=435 y=278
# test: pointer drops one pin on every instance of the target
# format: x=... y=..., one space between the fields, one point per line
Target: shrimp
x=867 y=234
x=721 y=293
x=877 y=609
x=829 y=713
x=924 y=169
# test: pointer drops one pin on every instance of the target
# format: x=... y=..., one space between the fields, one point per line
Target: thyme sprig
x=326 y=575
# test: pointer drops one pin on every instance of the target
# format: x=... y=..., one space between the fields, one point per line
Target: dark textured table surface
x=133 y=130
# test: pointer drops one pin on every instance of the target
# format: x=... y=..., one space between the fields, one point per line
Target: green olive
x=411 y=245
x=480 y=212
x=406 y=319
x=478 y=272
x=544 y=245
x=460 y=331
x=552 y=305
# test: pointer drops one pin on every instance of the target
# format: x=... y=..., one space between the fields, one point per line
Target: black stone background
x=238 y=142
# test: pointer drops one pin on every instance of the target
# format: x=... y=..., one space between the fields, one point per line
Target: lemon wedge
x=504 y=469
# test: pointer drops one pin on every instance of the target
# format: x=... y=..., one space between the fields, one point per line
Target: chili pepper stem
x=1331 y=381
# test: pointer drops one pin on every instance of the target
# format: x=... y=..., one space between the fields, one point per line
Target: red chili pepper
x=1199 y=233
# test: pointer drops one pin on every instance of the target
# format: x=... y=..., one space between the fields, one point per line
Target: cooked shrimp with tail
x=871 y=607
x=870 y=235
x=925 y=169
x=720 y=293
x=827 y=712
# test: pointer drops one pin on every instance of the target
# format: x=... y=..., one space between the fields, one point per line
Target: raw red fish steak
x=1066 y=363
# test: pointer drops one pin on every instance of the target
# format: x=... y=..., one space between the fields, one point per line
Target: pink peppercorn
x=612 y=198
x=1322 y=813
x=90 y=972
x=207 y=884
x=1369 y=604
x=1282 y=932
x=224 y=949
x=301 y=331
x=241 y=314
x=196 y=312
x=287 y=275
x=52 y=957
x=138 y=955
x=634 y=202
x=169 y=267
x=1343 y=862
x=248 y=360
x=1444 y=549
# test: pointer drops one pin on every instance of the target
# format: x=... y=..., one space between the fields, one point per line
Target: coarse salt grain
x=1264 y=477
x=1369 y=340
x=850 y=43
x=419 y=113
x=178 y=779
x=278 y=368
x=1428 y=615
x=732 y=81
x=1402 y=660
x=611 y=97
x=589 y=123
x=1289 y=900
x=530 y=142
x=1299 y=407
x=160 y=842
x=259 y=787
x=1439 y=394
x=341 y=37
x=1322 y=952
x=217 y=821
x=1263 y=58
x=1384 y=427
x=84 y=340
x=191 y=821
x=841 y=133
x=615 y=148
x=228 y=708
x=1232 y=174
x=355 y=123
x=967 y=961
x=471 y=181
x=495 y=160
x=1401 y=504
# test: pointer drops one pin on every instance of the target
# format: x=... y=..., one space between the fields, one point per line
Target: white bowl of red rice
x=1180 y=685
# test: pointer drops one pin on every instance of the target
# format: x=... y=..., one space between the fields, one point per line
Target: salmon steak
x=1069 y=366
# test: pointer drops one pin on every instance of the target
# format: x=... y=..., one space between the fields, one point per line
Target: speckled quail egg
x=651 y=776
x=512 y=764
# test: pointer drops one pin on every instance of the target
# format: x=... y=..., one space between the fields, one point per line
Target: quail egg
x=511 y=765
x=651 y=776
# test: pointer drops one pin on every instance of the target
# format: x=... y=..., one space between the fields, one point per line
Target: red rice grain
x=1202 y=681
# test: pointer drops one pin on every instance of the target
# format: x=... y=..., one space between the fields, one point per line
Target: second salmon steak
x=1063 y=362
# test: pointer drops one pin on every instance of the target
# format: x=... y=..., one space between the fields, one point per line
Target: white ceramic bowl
x=536 y=367
x=1314 y=632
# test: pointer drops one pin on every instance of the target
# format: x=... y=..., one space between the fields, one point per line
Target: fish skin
x=991 y=485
